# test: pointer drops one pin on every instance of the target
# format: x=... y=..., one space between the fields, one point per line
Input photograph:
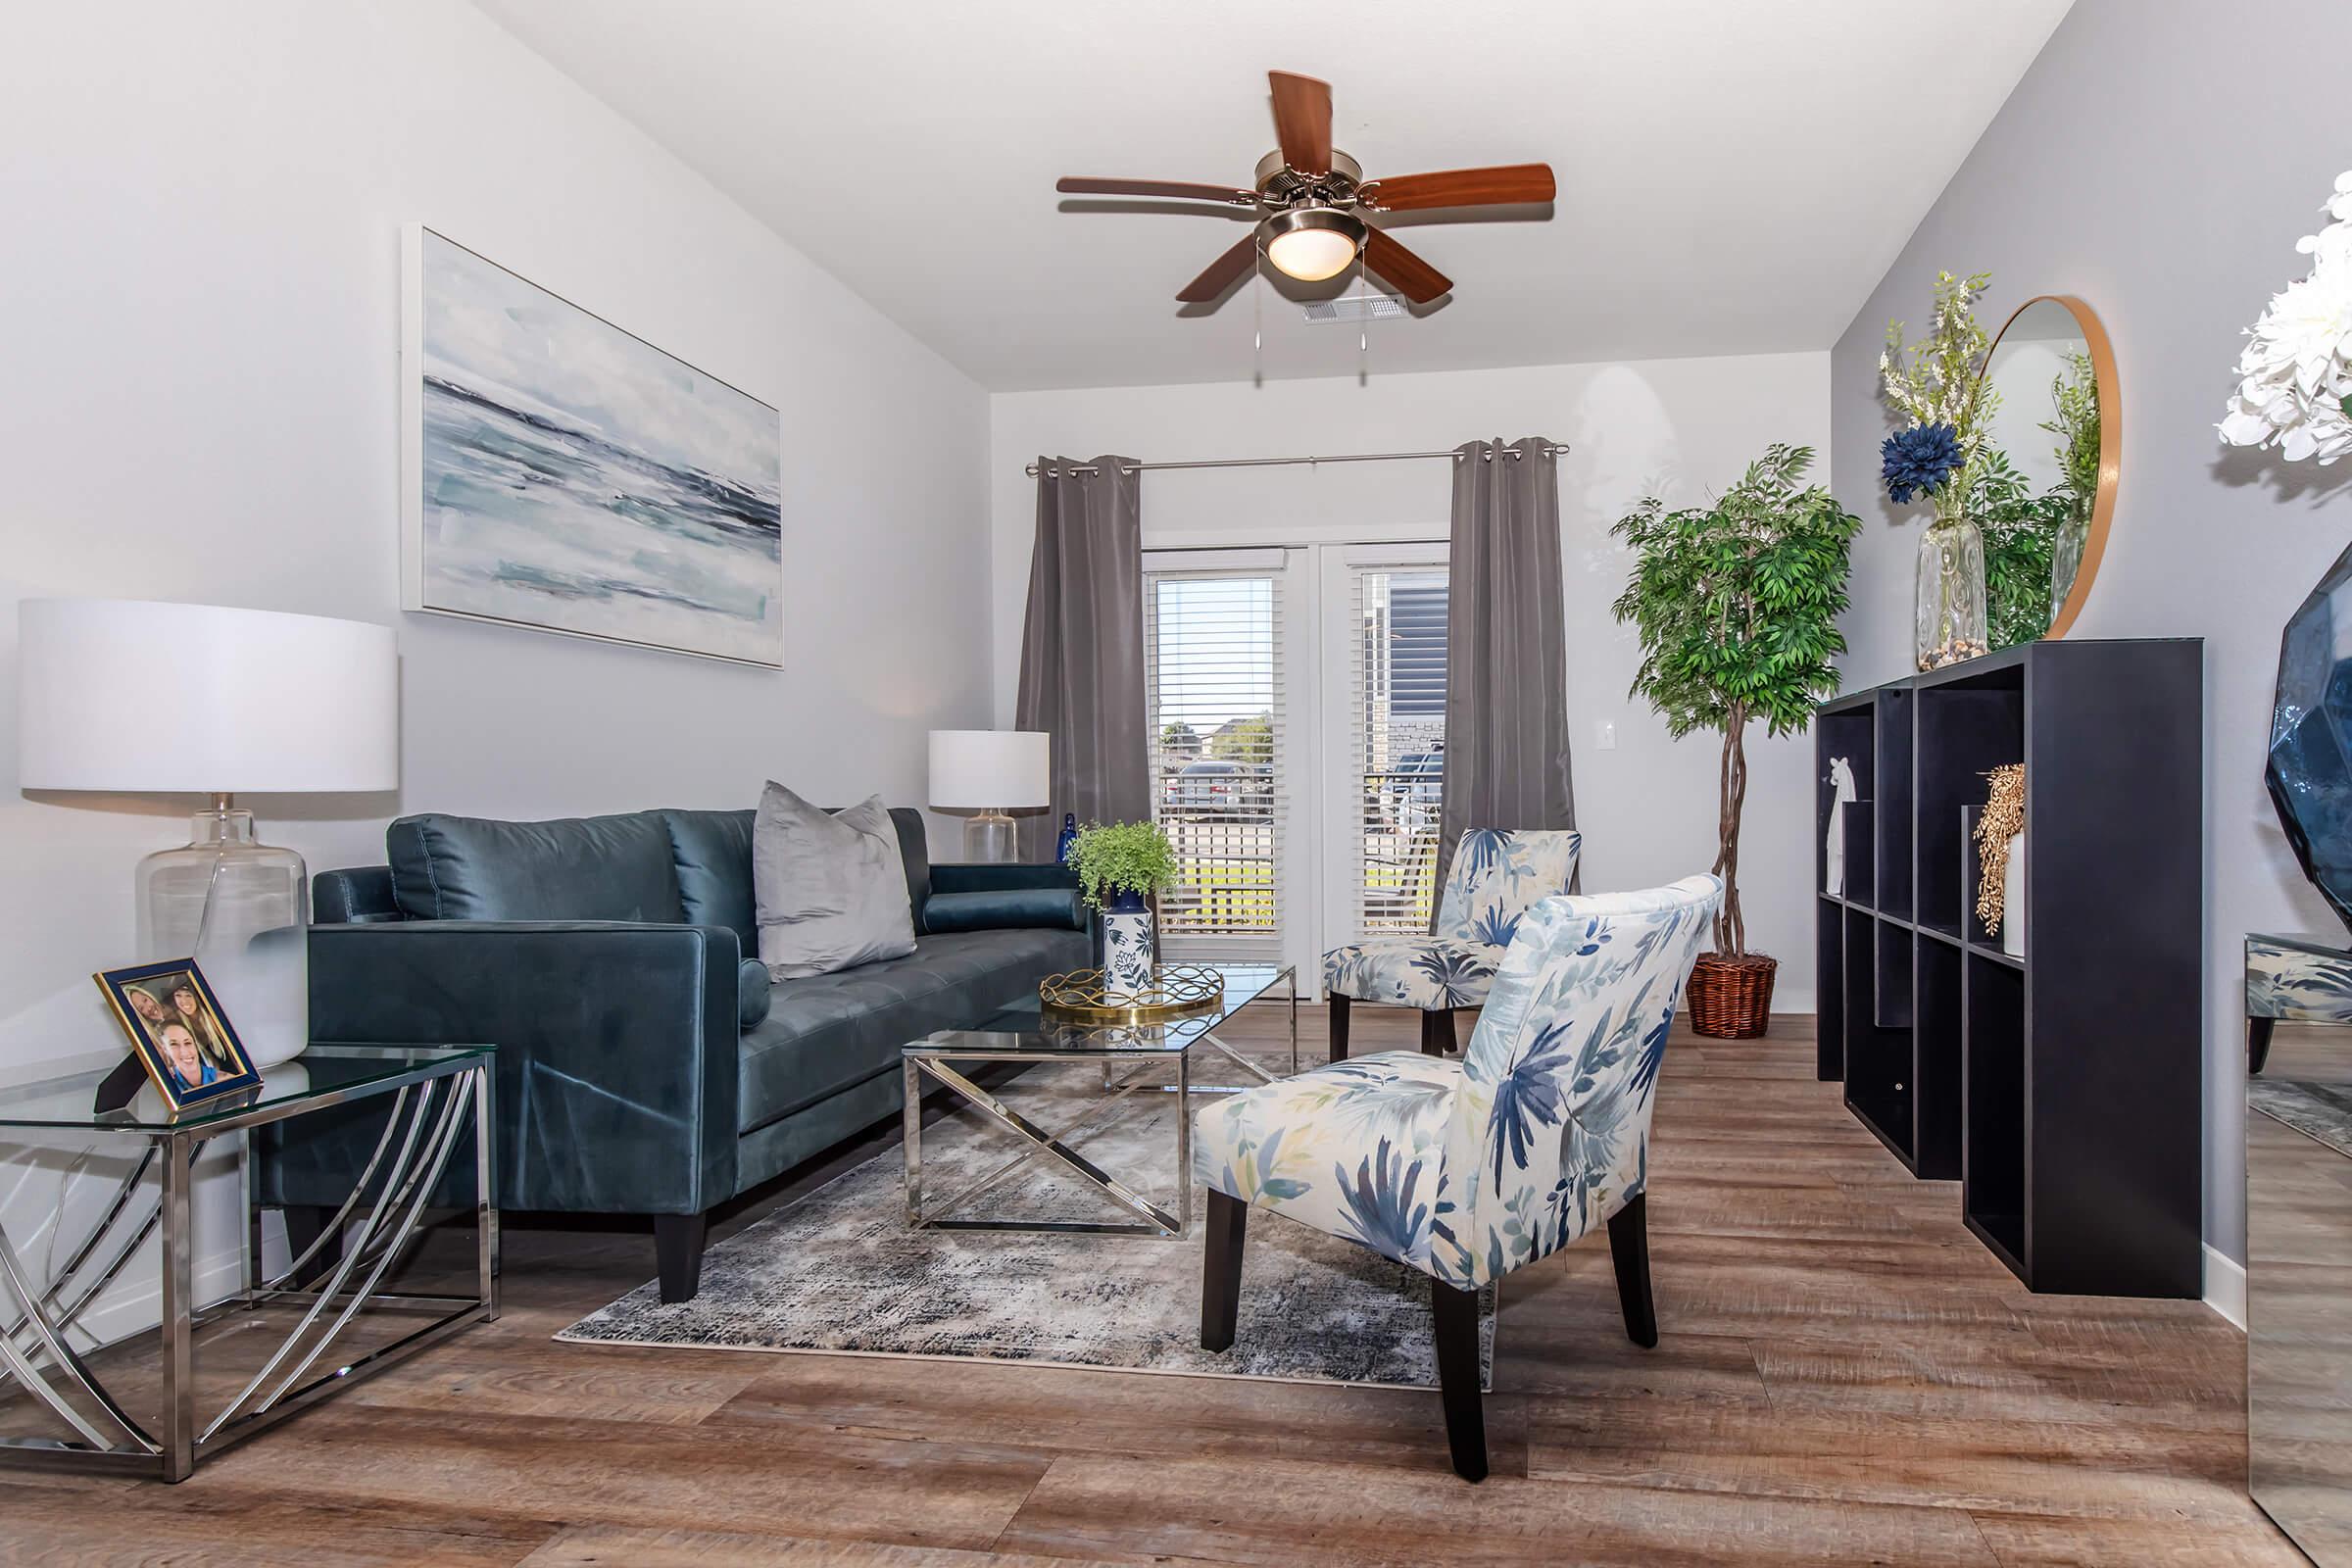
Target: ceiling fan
x=1314 y=198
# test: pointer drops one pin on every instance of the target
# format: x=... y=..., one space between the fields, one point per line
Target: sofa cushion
x=576 y=868
x=712 y=851
x=830 y=1032
x=713 y=854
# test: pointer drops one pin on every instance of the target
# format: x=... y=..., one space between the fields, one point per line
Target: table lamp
x=989 y=772
x=167 y=699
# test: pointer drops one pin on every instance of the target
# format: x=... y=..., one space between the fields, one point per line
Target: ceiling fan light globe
x=1311 y=255
x=1313 y=243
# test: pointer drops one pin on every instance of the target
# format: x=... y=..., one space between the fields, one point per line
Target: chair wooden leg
x=1339 y=1027
x=1628 y=1248
x=1456 y=1313
x=1437 y=1032
x=1221 y=1271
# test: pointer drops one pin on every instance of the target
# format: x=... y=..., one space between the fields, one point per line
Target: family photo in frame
x=178 y=1031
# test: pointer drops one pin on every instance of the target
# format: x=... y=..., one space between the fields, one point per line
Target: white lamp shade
x=125 y=693
x=983 y=769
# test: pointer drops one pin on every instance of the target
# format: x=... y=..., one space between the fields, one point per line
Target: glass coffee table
x=437 y=1093
x=1159 y=1059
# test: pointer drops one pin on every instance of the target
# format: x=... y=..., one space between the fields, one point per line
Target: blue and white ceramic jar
x=1126 y=943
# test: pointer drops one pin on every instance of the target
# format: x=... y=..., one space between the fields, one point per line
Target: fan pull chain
x=1363 y=322
x=1258 y=323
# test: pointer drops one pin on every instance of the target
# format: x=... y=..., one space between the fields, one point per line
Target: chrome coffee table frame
x=438 y=1090
x=1109 y=1044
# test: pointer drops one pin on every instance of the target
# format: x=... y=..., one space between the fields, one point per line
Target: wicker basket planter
x=1731 y=998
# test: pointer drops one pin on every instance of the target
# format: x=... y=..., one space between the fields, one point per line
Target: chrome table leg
x=913 y=1141
x=485 y=1202
x=1184 y=1140
x=179 y=1310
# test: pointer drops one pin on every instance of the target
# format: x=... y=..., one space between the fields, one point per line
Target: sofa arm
x=615 y=1079
x=362 y=893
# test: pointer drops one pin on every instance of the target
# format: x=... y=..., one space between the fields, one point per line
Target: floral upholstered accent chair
x=1496 y=874
x=1466 y=1170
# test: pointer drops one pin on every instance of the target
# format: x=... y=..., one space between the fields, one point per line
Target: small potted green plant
x=1120 y=866
x=1737 y=608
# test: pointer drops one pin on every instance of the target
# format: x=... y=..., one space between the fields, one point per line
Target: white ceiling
x=1734 y=176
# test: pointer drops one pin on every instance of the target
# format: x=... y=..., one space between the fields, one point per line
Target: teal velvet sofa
x=645 y=1063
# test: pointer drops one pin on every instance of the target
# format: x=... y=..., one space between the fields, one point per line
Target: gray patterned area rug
x=839 y=1272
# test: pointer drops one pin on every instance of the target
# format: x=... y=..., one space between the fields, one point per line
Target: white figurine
x=1841 y=790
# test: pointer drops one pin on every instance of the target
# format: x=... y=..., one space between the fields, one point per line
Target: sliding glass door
x=1219 y=679
x=1298 y=709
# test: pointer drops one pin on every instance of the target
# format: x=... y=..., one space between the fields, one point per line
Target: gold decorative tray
x=1177 y=991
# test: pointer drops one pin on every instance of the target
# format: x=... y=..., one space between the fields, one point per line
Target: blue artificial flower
x=1918 y=460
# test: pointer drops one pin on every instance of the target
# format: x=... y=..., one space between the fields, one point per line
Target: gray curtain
x=1082 y=646
x=1506 y=654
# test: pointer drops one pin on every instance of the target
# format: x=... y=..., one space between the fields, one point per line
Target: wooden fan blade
x=1414 y=277
x=1221 y=272
x=1075 y=186
x=1303 y=122
x=1463 y=187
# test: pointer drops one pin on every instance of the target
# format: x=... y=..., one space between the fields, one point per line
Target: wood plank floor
x=1844 y=1376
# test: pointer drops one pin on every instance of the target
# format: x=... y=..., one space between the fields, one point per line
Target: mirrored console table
x=2299 y=1239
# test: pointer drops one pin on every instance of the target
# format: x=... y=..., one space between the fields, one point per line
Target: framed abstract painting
x=559 y=473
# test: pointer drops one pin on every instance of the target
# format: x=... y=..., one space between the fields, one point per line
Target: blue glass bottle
x=1069 y=838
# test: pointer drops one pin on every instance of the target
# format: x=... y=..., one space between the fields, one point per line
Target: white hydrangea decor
x=2295 y=374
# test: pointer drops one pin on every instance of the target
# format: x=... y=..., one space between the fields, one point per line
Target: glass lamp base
x=242 y=909
x=988 y=838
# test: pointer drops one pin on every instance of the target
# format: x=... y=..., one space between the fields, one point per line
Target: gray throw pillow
x=831 y=888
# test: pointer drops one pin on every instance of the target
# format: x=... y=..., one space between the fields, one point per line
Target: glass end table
x=1023 y=1035
x=437 y=1090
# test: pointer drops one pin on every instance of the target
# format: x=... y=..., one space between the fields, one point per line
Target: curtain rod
x=1555 y=448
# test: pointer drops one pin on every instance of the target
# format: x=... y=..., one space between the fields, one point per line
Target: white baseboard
x=2226 y=1287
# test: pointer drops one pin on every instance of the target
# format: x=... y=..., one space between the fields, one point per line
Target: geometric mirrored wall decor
x=2309 y=770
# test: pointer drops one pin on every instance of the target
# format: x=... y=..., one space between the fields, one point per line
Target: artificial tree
x=1736 y=605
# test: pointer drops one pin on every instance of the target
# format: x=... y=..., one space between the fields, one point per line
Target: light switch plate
x=1605 y=735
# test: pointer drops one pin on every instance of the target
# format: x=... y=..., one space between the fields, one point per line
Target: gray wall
x=2160 y=159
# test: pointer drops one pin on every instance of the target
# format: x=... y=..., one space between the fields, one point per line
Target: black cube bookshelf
x=2063 y=1089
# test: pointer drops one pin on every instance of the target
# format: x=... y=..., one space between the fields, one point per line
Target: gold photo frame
x=178 y=1031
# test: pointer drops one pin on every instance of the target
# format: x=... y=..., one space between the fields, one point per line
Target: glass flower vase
x=2066 y=558
x=1948 y=603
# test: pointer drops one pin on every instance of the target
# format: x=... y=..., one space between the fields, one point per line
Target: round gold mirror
x=2044 y=488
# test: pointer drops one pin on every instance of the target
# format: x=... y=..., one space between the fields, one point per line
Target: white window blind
x=1396 y=744
x=1220 y=757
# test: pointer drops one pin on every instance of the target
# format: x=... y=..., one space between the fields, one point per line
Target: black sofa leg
x=1456 y=1313
x=1437 y=1032
x=1339 y=1027
x=1221 y=1271
x=1628 y=1248
x=678 y=1253
x=305 y=1224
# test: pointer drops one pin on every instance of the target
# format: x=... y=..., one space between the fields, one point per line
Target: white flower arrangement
x=2294 y=389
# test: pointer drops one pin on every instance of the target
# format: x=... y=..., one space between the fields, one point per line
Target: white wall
x=2118 y=171
x=201 y=208
x=1681 y=428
